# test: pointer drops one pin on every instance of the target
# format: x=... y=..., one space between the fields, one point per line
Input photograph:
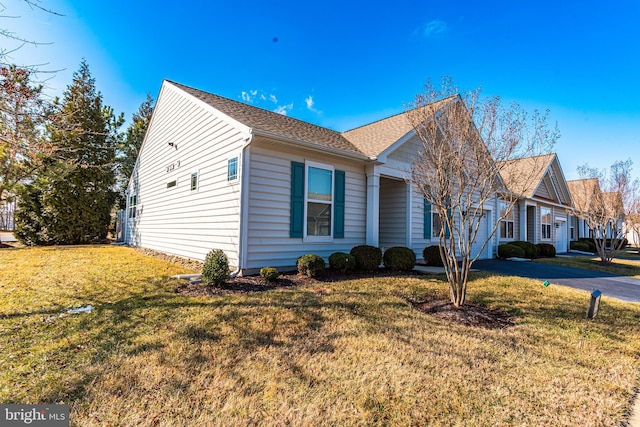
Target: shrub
x=589 y=242
x=342 y=262
x=580 y=246
x=431 y=256
x=367 y=257
x=215 y=270
x=310 y=265
x=269 y=273
x=546 y=250
x=510 y=251
x=399 y=258
x=530 y=250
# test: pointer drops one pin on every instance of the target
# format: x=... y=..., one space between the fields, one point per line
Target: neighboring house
x=592 y=203
x=587 y=196
x=542 y=213
x=266 y=188
x=614 y=207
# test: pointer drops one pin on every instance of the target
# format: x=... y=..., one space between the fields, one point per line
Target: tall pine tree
x=70 y=201
x=130 y=146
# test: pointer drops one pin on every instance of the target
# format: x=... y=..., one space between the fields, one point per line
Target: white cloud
x=434 y=27
x=249 y=96
x=283 y=109
x=309 y=101
x=310 y=104
x=257 y=96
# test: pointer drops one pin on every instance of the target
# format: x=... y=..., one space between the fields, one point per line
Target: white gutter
x=244 y=212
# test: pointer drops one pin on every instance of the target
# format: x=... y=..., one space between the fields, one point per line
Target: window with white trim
x=232 y=169
x=506 y=224
x=436 y=224
x=319 y=200
x=572 y=232
x=545 y=223
x=194 y=181
x=133 y=201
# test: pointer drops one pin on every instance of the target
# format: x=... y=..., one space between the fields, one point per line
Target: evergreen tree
x=130 y=146
x=21 y=117
x=70 y=201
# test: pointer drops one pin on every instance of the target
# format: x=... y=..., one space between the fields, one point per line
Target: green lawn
x=622 y=267
x=354 y=353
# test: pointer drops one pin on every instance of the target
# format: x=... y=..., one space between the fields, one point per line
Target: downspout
x=243 y=211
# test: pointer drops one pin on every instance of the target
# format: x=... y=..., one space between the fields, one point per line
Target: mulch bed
x=245 y=284
x=470 y=314
x=475 y=315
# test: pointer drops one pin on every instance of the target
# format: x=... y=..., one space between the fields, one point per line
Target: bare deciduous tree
x=467 y=141
x=603 y=199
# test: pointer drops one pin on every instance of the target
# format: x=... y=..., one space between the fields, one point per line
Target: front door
x=561 y=237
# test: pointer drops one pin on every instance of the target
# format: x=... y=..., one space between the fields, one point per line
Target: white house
x=266 y=188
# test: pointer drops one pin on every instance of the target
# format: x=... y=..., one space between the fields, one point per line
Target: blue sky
x=343 y=64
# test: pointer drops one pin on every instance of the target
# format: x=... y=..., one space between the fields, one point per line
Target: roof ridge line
x=394 y=115
x=256 y=107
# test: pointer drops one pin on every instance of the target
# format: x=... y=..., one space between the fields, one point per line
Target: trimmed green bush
x=589 y=242
x=367 y=257
x=546 y=250
x=399 y=258
x=269 y=273
x=215 y=270
x=530 y=250
x=310 y=265
x=510 y=251
x=431 y=256
x=343 y=262
x=580 y=246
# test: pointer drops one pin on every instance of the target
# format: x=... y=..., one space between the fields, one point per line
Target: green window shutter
x=427 y=220
x=338 y=205
x=296 y=222
x=447 y=232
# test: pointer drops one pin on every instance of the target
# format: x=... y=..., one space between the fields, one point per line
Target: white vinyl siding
x=393 y=213
x=406 y=153
x=173 y=220
x=268 y=242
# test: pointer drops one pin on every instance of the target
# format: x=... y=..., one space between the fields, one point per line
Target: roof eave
x=312 y=146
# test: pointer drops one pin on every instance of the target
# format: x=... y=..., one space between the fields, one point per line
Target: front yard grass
x=336 y=353
x=621 y=267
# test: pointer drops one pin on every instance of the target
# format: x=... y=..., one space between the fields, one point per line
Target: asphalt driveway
x=620 y=287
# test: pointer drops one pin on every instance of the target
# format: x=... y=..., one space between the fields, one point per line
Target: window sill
x=317 y=239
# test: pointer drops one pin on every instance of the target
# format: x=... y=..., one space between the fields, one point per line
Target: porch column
x=373 y=206
x=522 y=215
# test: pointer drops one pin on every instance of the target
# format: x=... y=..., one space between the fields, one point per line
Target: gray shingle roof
x=522 y=176
x=274 y=123
x=369 y=140
x=376 y=137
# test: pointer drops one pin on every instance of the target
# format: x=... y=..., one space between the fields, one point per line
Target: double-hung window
x=232 y=169
x=319 y=200
x=436 y=224
x=545 y=223
x=133 y=201
x=506 y=224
